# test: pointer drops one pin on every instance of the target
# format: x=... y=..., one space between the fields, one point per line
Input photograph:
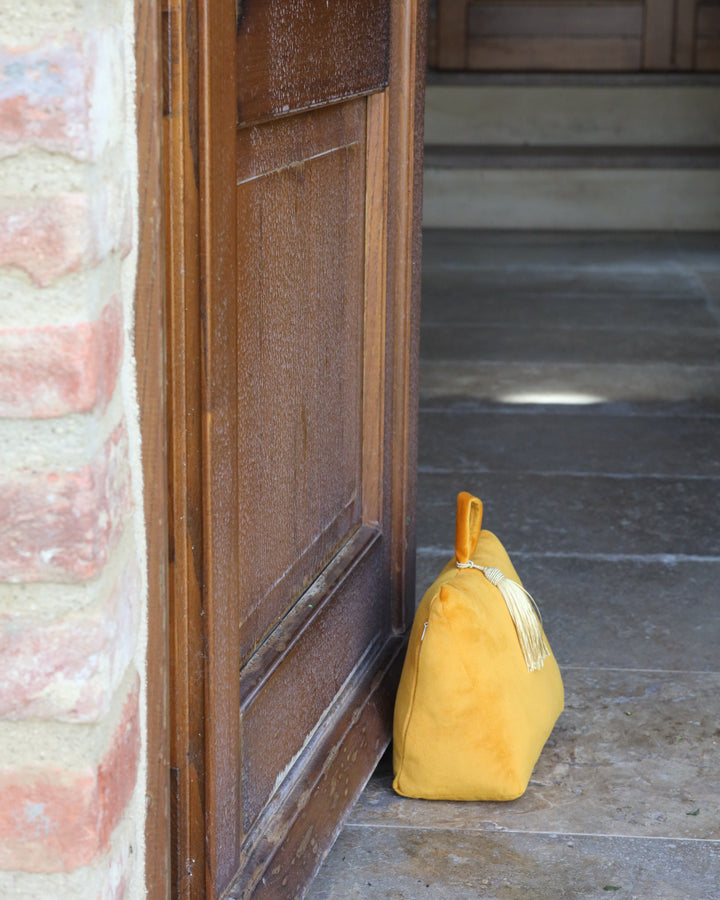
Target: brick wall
x=72 y=580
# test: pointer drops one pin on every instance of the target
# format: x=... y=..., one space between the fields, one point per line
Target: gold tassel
x=524 y=613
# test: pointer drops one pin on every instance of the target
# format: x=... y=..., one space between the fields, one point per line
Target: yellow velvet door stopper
x=523 y=611
x=480 y=689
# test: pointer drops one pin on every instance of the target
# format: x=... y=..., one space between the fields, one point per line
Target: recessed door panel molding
x=283 y=708
x=301 y=236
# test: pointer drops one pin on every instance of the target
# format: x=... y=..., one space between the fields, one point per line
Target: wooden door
x=292 y=139
x=577 y=36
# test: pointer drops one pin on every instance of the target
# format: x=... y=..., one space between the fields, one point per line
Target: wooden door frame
x=151 y=379
x=172 y=553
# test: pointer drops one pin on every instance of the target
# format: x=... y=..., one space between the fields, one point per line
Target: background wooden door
x=292 y=138
x=576 y=35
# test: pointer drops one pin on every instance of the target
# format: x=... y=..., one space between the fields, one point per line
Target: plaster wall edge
x=128 y=380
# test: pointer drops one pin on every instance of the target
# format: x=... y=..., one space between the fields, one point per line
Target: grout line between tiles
x=683 y=332
x=662 y=558
x=559 y=834
x=435 y=267
x=603 y=410
x=566 y=473
x=565 y=668
x=563 y=364
x=600 y=411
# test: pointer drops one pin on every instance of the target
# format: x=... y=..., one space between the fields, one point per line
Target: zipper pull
x=422 y=636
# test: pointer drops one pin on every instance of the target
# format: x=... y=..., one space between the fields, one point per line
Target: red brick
x=46 y=238
x=56 y=820
x=62 y=526
x=47 y=93
x=43 y=96
x=117 y=772
x=68 y=668
x=56 y=370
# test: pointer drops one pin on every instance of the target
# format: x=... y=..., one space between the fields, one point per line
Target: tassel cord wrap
x=524 y=613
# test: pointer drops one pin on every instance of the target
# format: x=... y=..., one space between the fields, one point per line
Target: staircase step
x=605 y=198
x=558 y=153
x=557 y=113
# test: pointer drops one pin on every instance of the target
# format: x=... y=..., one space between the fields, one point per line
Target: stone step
x=564 y=154
x=605 y=198
x=558 y=112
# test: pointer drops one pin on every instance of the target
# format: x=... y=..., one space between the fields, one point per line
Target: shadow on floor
x=572 y=381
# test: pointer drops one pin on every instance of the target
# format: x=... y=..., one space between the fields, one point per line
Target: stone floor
x=573 y=383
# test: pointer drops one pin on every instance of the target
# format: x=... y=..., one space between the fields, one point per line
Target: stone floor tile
x=566 y=298
x=634 y=753
x=583 y=515
x=710 y=281
x=569 y=383
x=569 y=345
x=686 y=408
x=428 y=566
x=699 y=250
x=472 y=248
x=627 y=613
x=413 y=864
x=562 y=441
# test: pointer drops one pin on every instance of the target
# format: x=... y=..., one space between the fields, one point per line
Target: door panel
x=292 y=137
x=573 y=36
x=291 y=56
x=284 y=692
x=708 y=36
x=300 y=232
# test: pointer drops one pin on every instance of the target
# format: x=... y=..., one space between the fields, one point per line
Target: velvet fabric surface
x=470 y=719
